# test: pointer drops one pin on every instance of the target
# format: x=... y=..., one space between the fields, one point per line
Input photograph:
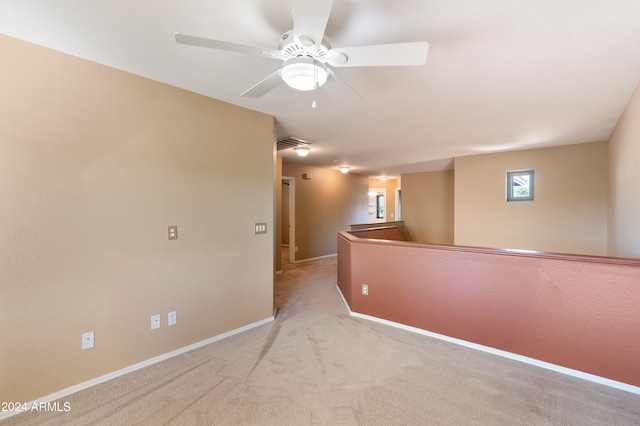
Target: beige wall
x=568 y=214
x=324 y=205
x=624 y=183
x=95 y=164
x=427 y=206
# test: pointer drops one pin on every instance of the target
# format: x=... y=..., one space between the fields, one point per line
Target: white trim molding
x=89 y=383
x=315 y=258
x=532 y=361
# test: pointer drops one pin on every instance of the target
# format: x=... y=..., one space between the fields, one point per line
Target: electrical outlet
x=87 y=340
x=365 y=290
x=155 y=321
x=171 y=318
x=173 y=232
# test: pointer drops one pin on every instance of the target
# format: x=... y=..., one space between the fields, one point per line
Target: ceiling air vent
x=289 y=142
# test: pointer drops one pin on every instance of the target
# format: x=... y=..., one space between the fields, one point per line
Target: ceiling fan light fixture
x=303 y=73
x=302 y=150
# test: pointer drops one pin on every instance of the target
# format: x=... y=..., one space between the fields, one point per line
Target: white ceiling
x=500 y=74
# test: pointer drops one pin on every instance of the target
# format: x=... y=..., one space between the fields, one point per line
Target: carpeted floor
x=316 y=365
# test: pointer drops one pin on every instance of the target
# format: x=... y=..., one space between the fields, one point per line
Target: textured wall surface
x=384 y=233
x=95 y=164
x=427 y=206
x=325 y=204
x=579 y=312
x=567 y=215
x=624 y=183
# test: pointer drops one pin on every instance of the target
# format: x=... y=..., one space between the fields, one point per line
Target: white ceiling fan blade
x=381 y=55
x=264 y=86
x=310 y=19
x=226 y=46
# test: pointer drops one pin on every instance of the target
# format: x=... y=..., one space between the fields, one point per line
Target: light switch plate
x=261 y=228
x=172 y=319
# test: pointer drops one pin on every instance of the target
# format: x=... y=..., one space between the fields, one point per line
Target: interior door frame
x=292 y=216
x=398 y=192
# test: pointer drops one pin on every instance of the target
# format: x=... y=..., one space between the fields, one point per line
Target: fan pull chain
x=315 y=85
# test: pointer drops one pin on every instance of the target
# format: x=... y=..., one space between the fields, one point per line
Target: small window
x=380 y=206
x=520 y=185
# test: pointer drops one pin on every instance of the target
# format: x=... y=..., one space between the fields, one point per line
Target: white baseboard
x=134 y=367
x=343 y=299
x=557 y=368
x=315 y=258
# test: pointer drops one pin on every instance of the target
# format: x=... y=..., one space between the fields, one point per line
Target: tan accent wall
x=579 y=312
x=358 y=226
x=95 y=164
x=569 y=211
x=427 y=206
x=392 y=233
x=327 y=203
x=624 y=183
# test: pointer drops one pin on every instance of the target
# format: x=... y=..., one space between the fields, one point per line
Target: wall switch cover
x=172 y=318
x=261 y=228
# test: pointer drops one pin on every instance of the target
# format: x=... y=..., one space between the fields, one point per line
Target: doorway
x=288 y=219
x=377 y=205
x=398 y=204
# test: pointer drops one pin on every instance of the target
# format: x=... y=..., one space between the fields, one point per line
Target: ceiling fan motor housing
x=294 y=49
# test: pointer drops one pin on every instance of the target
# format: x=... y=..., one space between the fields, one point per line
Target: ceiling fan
x=306 y=53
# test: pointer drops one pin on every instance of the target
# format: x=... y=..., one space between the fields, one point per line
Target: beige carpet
x=315 y=365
